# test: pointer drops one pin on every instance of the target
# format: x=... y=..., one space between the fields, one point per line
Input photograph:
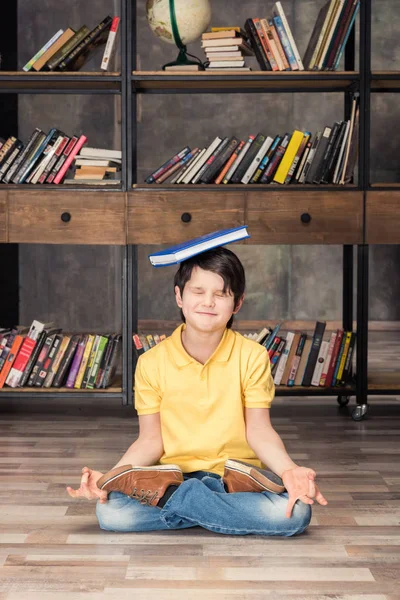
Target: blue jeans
x=201 y=500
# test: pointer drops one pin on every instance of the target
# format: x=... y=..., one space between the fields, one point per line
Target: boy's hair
x=221 y=261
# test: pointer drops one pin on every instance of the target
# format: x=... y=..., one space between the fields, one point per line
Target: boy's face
x=204 y=304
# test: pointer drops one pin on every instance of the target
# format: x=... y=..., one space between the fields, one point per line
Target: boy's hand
x=300 y=485
x=88 y=488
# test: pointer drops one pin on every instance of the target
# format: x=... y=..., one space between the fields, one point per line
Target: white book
x=224 y=55
x=100 y=153
x=192 y=170
x=95 y=162
x=257 y=159
x=341 y=153
x=238 y=159
x=223 y=49
x=42 y=50
x=91 y=182
x=111 y=44
x=319 y=365
x=348 y=142
x=226 y=63
x=283 y=358
x=279 y=11
x=213 y=146
x=185 y=167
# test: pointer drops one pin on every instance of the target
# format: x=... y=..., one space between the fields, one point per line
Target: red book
x=61 y=173
x=10 y=359
x=20 y=362
x=336 y=348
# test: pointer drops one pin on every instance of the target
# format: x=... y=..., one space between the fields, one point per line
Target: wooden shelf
x=147 y=81
x=382 y=218
x=380 y=381
x=19 y=81
x=385 y=81
x=250 y=187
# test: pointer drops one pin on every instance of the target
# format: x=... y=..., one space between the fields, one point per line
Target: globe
x=192 y=19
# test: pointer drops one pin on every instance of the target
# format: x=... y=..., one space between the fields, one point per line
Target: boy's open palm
x=88 y=488
x=300 y=485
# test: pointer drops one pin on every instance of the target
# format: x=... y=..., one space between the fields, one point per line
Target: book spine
x=348 y=365
x=167 y=165
x=328 y=359
x=339 y=359
x=40 y=360
x=319 y=365
x=21 y=158
x=310 y=158
x=220 y=161
x=114 y=360
x=10 y=359
x=257 y=160
x=85 y=359
x=230 y=162
x=29 y=166
x=265 y=161
x=111 y=44
x=67 y=151
x=66 y=361
x=59 y=148
x=296 y=359
x=33 y=358
x=335 y=353
x=96 y=363
x=285 y=43
x=282 y=363
x=177 y=166
x=10 y=159
x=343 y=358
x=272 y=167
x=7 y=148
x=343 y=46
x=20 y=362
x=42 y=50
x=264 y=44
x=286 y=66
x=138 y=345
x=65 y=49
x=281 y=14
x=90 y=363
x=68 y=63
x=339 y=33
x=61 y=173
x=43 y=372
x=210 y=160
x=270 y=39
x=104 y=362
x=57 y=361
x=76 y=363
x=312 y=359
x=256 y=45
x=238 y=160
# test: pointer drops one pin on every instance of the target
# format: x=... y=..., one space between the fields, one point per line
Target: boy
x=203 y=397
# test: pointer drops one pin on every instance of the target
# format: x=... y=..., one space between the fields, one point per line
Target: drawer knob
x=305 y=218
x=66 y=217
x=186 y=217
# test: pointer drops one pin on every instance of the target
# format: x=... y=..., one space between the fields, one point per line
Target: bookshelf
x=352 y=216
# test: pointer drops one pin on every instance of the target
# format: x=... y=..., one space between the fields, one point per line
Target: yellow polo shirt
x=202 y=406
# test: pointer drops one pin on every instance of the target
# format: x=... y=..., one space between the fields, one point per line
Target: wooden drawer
x=3 y=217
x=305 y=217
x=382 y=217
x=159 y=217
x=67 y=217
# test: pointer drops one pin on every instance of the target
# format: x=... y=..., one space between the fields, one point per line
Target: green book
x=96 y=363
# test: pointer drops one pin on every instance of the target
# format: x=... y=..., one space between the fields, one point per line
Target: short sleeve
x=259 y=388
x=147 y=391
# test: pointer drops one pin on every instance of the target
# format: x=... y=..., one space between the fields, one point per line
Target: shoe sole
x=247 y=470
x=103 y=481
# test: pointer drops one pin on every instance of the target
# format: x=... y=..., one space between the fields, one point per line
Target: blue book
x=287 y=48
x=181 y=252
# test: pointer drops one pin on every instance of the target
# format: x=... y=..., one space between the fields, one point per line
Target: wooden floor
x=51 y=546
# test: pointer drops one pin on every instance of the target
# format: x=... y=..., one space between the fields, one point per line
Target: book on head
x=181 y=252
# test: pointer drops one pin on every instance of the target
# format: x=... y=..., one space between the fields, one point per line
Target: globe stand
x=182 y=58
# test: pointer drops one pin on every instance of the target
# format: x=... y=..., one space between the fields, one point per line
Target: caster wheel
x=343 y=400
x=359 y=412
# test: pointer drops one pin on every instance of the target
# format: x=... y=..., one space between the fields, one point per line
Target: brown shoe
x=146 y=484
x=242 y=477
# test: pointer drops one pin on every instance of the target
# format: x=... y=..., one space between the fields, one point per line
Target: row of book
x=226 y=49
x=327 y=157
x=42 y=356
x=298 y=359
x=275 y=47
x=69 y=50
x=144 y=342
x=47 y=158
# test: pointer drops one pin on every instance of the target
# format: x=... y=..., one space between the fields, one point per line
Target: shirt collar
x=182 y=358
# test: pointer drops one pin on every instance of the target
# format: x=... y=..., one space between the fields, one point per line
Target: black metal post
x=362 y=324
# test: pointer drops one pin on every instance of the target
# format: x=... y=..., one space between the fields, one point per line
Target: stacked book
x=97 y=166
x=43 y=356
x=330 y=34
x=327 y=157
x=44 y=158
x=143 y=342
x=69 y=50
x=226 y=49
x=298 y=359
